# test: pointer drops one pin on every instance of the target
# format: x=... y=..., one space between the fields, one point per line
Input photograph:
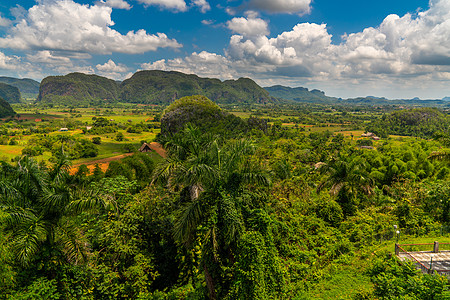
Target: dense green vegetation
x=420 y=122
x=5 y=109
x=9 y=93
x=148 y=87
x=77 y=89
x=299 y=94
x=283 y=203
x=160 y=87
x=25 y=85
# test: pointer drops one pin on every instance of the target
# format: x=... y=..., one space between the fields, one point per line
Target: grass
x=346 y=277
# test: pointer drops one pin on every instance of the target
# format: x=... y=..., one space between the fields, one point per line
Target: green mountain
x=6 y=109
x=299 y=94
x=25 y=85
x=160 y=87
x=9 y=93
x=78 y=89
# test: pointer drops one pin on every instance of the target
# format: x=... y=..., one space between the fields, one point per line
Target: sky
x=348 y=48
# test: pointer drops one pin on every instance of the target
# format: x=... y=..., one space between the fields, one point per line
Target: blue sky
x=396 y=49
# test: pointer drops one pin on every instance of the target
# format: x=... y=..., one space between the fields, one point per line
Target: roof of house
x=144 y=146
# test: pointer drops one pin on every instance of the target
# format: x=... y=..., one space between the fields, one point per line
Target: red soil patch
x=104 y=162
x=158 y=149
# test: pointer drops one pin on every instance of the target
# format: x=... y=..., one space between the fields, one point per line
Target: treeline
x=420 y=122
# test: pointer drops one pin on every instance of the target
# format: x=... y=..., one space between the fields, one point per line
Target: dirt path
x=157 y=147
x=104 y=162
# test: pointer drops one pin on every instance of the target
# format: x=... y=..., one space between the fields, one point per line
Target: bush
x=97 y=140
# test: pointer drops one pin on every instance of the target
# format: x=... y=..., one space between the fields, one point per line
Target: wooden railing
x=424 y=268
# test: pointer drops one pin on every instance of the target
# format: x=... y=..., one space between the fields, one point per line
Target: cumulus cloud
x=49 y=58
x=176 y=5
x=112 y=70
x=69 y=26
x=399 y=46
x=202 y=4
x=204 y=64
x=111 y=66
x=4 y=22
x=281 y=6
x=249 y=27
x=8 y=62
x=120 y=4
x=401 y=53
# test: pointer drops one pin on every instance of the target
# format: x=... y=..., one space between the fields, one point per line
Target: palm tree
x=215 y=177
x=346 y=180
x=37 y=203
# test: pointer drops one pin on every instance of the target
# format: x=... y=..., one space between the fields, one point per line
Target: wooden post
x=436 y=247
x=397 y=249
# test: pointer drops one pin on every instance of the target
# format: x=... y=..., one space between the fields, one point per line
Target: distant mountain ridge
x=9 y=93
x=163 y=87
x=25 y=85
x=301 y=94
x=148 y=87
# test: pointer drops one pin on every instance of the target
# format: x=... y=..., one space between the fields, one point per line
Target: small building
x=64 y=129
x=88 y=127
x=376 y=138
x=38 y=120
x=145 y=148
x=368 y=134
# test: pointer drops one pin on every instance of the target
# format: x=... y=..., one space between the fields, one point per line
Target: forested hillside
x=9 y=93
x=25 y=85
x=299 y=94
x=78 y=89
x=160 y=87
x=420 y=122
x=5 y=109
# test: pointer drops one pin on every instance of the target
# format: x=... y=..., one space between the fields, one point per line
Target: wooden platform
x=441 y=260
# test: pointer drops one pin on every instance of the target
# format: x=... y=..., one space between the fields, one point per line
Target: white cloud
x=401 y=56
x=49 y=58
x=69 y=26
x=4 y=22
x=120 y=4
x=282 y=6
x=207 y=22
x=203 y=64
x=8 y=62
x=249 y=27
x=202 y=4
x=400 y=46
x=112 y=70
x=176 y=5
x=111 y=66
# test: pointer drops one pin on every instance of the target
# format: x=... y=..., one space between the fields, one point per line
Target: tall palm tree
x=215 y=177
x=37 y=203
x=346 y=180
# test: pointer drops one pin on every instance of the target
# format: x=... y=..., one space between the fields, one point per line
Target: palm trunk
x=209 y=283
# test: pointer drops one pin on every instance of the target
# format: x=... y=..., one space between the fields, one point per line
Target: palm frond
x=27 y=239
x=189 y=218
x=72 y=243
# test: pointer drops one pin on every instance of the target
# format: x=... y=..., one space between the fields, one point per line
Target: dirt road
x=104 y=162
